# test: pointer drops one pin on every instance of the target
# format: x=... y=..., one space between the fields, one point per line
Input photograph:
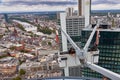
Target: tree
x=12 y=48
x=20 y=62
x=49 y=43
x=22 y=72
x=21 y=27
x=17 y=78
x=45 y=30
x=1 y=36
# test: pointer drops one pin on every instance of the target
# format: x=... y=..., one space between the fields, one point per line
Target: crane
x=81 y=57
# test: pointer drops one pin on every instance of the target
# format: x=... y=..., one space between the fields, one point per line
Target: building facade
x=109 y=46
x=73 y=25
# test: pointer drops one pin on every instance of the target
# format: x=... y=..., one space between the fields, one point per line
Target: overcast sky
x=53 y=5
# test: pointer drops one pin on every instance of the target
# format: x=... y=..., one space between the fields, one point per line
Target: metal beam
x=103 y=71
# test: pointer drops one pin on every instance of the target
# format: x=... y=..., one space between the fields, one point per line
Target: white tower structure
x=84 y=8
x=63 y=24
x=81 y=7
x=87 y=12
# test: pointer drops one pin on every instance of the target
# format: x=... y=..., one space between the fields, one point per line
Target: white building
x=73 y=26
x=84 y=7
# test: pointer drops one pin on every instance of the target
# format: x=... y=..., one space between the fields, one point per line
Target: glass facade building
x=109 y=46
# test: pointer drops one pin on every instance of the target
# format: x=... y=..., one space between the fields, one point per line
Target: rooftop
x=30 y=64
x=110 y=30
x=103 y=27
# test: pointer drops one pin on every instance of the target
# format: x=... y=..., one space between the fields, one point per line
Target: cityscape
x=70 y=44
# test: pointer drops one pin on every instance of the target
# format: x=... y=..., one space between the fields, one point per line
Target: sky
x=53 y=5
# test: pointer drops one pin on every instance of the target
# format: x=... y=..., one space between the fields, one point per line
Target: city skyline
x=63 y=43
x=53 y=5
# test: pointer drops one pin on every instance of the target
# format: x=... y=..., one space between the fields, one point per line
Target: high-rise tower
x=109 y=46
x=73 y=25
x=80 y=7
x=87 y=12
x=69 y=11
x=84 y=9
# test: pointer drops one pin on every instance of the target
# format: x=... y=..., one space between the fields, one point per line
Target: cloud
x=53 y=5
x=39 y=2
x=36 y=5
x=105 y=4
x=17 y=8
x=94 y=2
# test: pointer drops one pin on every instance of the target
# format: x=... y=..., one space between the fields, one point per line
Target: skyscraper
x=73 y=25
x=69 y=11
x=109 y=46
x=80 y=7
x=84 y=9
x=87 y=12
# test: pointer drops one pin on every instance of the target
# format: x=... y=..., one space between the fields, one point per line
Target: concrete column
x=63 y=26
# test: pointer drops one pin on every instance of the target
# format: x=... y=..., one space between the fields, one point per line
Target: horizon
x=46 y=12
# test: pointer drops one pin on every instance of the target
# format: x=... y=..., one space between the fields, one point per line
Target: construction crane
x=82 y=55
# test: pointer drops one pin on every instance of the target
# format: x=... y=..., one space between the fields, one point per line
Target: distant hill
x=54 y=12
x=39 y=12
x=105 y=11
